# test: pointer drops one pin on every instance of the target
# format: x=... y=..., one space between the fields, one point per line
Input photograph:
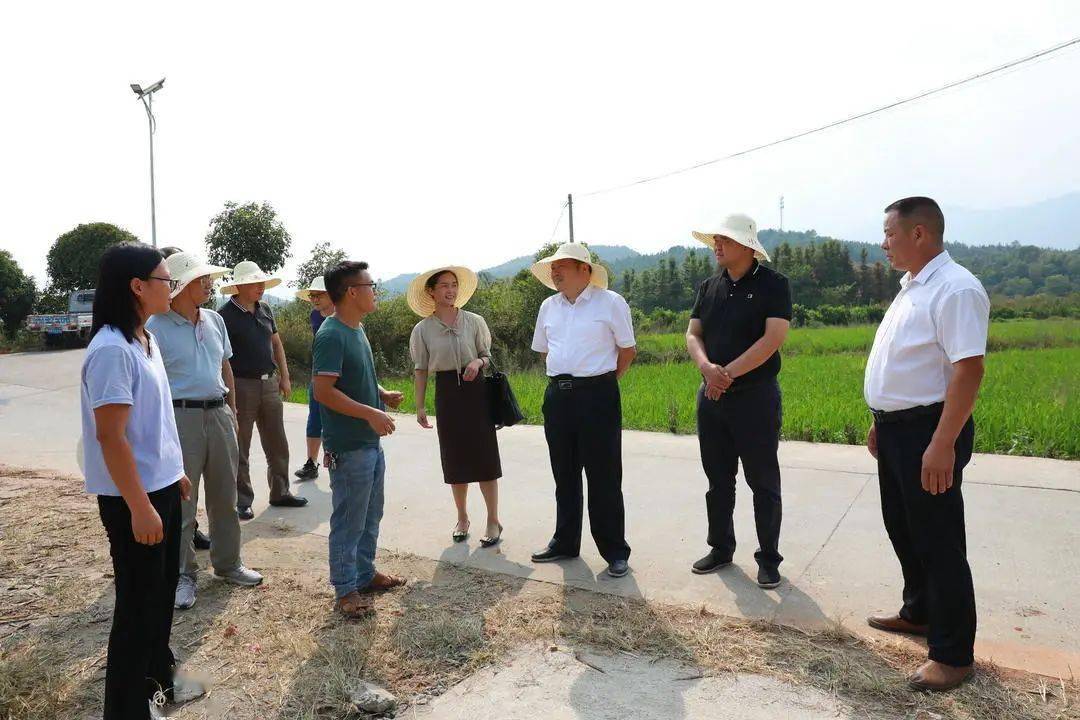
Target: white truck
x=70 y=329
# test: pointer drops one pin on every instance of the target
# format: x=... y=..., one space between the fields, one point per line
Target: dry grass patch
x=279 y=652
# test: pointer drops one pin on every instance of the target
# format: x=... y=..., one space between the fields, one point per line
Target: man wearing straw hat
x=323 y=308
x=739 y=321
x=262 y=382
x=586 y=336
x=195 y=349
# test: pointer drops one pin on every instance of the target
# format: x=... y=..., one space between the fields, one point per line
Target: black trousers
x=744 y=423
x=927 y=532
x=139 y=660
x=583 y=427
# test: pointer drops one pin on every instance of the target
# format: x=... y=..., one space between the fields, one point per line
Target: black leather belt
x=569 y=382
x=895 y=416
x=264 y=376
x=200 y=404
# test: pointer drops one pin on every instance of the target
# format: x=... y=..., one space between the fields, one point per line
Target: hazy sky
x=411 y=134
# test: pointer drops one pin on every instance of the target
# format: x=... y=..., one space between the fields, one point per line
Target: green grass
x=1004 y=335
x=1028 y=404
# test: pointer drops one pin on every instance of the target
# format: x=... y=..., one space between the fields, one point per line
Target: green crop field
x=1028 y=404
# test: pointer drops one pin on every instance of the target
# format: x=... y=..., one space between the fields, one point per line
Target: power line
x=556 y=228
x=844 y=121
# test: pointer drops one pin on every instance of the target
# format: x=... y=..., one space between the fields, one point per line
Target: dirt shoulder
x=278 y=651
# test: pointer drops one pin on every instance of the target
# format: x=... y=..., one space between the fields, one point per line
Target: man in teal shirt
x=353 y=420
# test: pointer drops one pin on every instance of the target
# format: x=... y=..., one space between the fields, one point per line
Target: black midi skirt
x=467 y=443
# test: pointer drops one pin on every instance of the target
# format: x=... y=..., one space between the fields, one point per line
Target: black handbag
x=505 y=410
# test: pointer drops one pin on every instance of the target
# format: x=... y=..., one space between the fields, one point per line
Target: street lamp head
x=155 y=87
x=137 y=89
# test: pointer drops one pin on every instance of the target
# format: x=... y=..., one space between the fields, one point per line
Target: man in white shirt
x=587 y=338
x=922 y=378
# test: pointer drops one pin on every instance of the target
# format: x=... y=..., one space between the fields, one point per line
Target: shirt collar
x=587 y=293
x=242 y=309
x=749 y=273
x=180 y=319
x=939 y=261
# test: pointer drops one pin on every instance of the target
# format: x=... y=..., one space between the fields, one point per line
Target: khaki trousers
x=208 y=443
x=259 y=404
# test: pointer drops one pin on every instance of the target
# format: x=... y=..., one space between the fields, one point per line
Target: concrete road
x=1023 y=529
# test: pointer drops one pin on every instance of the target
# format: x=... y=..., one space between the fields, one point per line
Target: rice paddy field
x=1028 y=404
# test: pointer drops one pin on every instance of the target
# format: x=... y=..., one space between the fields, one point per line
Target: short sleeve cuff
x=112 y=400
x=957 y=355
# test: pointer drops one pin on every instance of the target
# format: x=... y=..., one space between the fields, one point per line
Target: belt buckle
x=566 y=384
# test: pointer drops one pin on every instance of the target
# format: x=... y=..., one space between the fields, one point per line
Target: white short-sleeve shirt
x=583 y=338
x=118 y=372
x=939 y=317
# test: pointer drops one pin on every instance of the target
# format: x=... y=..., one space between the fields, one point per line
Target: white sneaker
x=241 y=576
x=185 y=592
x=185 y=689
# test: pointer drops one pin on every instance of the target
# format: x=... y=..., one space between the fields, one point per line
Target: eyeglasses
x=173 y=284
x=370 y=285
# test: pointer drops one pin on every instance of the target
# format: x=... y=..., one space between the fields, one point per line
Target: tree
x=73 y=259
x=17 y=293
x=248 y=232
x=1058 y=285
x=322 y=258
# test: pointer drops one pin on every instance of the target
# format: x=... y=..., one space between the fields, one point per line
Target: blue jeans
x=356 y=485
x=314 y=420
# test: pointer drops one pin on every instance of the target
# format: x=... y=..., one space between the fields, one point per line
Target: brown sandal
x=354 y=605
x=383 y=582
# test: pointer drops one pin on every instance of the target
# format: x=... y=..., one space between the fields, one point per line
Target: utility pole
x=781 y=213
x=570 y=204
x=147 y=97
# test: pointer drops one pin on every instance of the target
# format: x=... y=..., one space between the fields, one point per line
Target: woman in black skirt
x=455 y=345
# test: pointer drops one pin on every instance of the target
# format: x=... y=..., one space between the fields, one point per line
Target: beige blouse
x=436 y=346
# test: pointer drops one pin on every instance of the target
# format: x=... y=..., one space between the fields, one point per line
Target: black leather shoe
x=709 y=563
x=768 y=578
x=618 y=569
x=201 y=540
x=289 y=501
x=550 y=554
x=244 y=513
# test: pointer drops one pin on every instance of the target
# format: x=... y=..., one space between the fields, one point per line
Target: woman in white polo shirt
x=133 y=464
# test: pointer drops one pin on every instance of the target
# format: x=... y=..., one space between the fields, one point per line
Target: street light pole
x=147 y=97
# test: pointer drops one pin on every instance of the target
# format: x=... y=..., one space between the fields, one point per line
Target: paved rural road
x=1023 y=522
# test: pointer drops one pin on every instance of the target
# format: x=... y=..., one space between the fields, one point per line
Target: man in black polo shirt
x=739 y=321
x=262 y=382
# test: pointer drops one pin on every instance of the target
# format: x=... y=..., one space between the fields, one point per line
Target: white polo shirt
x=583 y=338
x=118 y=372
x=939 y=317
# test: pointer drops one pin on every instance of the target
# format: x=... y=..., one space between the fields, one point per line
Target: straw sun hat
x=424 y=305
x=570 y=251
x=317 y=285
x=740 y=228
x=247 y=272
x=186 y=267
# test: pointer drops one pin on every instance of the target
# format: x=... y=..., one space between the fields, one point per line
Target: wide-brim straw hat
x=570 y=251
x=740 y=228
x=424 y=305
x=317 y=285
x=186 y=267
x=248 y=272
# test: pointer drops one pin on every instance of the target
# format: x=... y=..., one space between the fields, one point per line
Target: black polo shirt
x=249 y=334
x=733 y=313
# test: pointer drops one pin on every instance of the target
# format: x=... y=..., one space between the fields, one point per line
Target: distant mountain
x=608 y=253
x=1049 y=224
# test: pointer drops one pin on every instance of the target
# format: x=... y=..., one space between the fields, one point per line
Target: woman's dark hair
x=114 y=303
x=434 y=279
